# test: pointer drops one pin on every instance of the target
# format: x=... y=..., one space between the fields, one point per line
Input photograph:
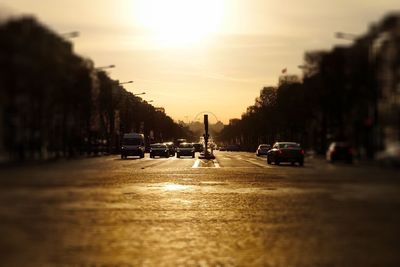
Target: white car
x=263 y=149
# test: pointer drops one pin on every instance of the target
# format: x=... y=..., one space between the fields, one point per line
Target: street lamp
x=105 y=67
x=143 y=93
x=73 y=34
x=125 y=82
x=346 y=36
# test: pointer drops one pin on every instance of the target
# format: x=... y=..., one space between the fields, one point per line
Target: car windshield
x=264 y=147
x=158 y=146
x=289 y=145
x=185 y=145
x=132 y=141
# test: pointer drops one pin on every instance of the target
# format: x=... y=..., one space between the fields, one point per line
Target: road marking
x=258 y=164
x=196 y=163
x=216 y=164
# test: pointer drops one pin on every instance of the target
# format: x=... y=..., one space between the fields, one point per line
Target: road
x=234 y=211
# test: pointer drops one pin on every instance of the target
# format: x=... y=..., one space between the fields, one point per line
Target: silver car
x=263 y=149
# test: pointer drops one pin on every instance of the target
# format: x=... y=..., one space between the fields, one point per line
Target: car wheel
x=178 y=156
x=277 y=162
x=122 y=156
x=292 y=163
x=301 y=162
x=193 y=155
x=268 y=160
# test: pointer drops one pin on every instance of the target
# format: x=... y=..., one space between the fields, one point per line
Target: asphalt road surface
x=233 y=211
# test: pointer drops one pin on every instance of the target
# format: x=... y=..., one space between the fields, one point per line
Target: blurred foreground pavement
x=172 y=212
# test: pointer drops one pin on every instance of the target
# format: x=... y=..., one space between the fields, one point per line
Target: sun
x=179 y=22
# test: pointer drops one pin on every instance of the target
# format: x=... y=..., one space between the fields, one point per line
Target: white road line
x=258 y=164
x=216 y=164
x=196 y=163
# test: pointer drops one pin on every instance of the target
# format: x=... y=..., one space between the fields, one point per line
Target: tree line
x=346 y=94
x=55 y=103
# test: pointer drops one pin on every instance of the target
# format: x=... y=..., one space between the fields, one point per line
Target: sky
x=192 y=56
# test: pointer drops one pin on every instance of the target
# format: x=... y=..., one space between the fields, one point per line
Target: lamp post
x=73 y=34
x=125 y=82
x=105 y=67
x=143 y=93
x=346 y=36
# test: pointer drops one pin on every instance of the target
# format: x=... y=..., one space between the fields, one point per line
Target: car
x=286 y=152
x=178 y=141
x=171 y=148
x=198 y=147
x=159 y=149
x=222 y=148
x=185 y=149
x=339 y=151
x=132 y=144
x=263 y=149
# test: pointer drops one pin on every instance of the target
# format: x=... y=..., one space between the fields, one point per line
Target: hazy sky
x=191 y=56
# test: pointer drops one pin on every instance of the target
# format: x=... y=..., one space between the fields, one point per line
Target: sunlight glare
x=179 y=22
x=175 y=187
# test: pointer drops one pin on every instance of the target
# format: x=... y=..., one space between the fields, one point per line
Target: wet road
x=234 y=211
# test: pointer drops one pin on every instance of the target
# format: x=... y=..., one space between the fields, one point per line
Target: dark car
x=222 y=148
x=171 y=148
x=133 y=144
x=198 y=147
x=159 y=149
x=339 y=151
x=286 y=152
x=185 y=149
x=263 y=149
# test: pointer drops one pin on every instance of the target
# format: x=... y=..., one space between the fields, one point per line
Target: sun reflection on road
x=175 y=187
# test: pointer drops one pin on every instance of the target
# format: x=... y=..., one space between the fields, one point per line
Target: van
x=132 y=144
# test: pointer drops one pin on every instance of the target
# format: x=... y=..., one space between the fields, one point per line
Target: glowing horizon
x=189 y=55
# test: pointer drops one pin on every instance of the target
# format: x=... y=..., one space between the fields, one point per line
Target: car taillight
x=302 y=152
x=280 y=151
